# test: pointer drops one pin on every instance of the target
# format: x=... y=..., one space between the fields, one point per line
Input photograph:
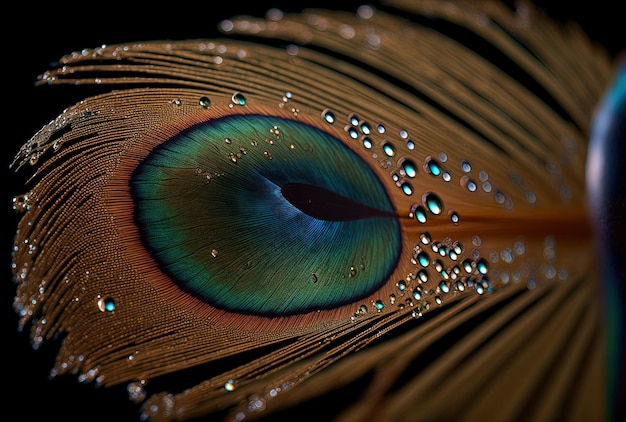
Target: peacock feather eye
x=392 y=205
x=216 y=205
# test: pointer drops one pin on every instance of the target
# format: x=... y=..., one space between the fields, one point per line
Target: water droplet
x=367 y=143
x=438 y=265
x=380 y=129
x=423 y=259
x=467 y=266
x=354 y=119
x=454 y=217
x=314 y=277
x=425 y=238
x=388 y=149
x=499 y=197
x=417 y=295
x=407 y=189
x=238 y=99
x=106 y=304
x=136 y=391
x=205 y=102
x=469 y=184
x=379 y=305
x=214 y=253
x=352 y=132
x=229 y=385
x=443 y=287
x=465 y=166
x=432 y=166
x=482 y=266
x=329 y=116
x=507 y=255
x=401 y=284
x=352 y=271
x=404 y=134
x=20 y=203
x=446 y=176
x=365 y=129
x=433 y=203
x=409 y=168
x=419 y=213
x=422 y=276
x=410 y=145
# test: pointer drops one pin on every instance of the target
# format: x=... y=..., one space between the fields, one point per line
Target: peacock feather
x=388 y=206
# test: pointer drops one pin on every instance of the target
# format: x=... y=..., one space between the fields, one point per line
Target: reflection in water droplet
x=443 y=287
x=136 y=392
x=432 y=166
x=205 y=102
x=106 y=304
x=329 y=116
x=469 y=184
x=454 y=217
x=239 y=99
x=388 y=149
x=423 y=259
x=433 y=203
x=409 y=168
x=422 y=275
x=419 y=213
x=417 y=295
x=467 y=266
x=482 y=266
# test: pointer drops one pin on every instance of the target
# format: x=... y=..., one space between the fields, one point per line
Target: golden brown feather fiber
x=78 y=246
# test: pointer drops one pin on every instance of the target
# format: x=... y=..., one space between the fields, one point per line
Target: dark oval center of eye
x=324 y=204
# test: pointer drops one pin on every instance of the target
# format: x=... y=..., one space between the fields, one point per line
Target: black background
x=36 y=36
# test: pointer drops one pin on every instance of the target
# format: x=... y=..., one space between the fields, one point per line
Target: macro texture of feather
x=438 y=266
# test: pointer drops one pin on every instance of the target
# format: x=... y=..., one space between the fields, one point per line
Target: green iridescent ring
x=230 y=207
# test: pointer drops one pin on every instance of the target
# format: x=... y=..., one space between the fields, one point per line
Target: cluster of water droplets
x=441 y=268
